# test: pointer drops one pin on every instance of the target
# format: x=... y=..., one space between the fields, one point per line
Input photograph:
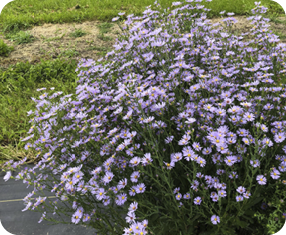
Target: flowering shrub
x=184 y=130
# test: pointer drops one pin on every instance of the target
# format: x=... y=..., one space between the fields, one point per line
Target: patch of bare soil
x=53 y=40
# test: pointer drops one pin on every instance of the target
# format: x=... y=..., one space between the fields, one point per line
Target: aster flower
x=126 y=91
x=7 y=176
x=115 y=18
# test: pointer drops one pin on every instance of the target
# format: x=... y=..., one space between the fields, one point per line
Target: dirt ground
x=92 y=45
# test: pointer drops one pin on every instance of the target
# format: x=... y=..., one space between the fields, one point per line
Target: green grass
x=18 y=83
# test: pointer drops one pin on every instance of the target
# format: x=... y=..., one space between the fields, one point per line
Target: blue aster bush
x=182 y=126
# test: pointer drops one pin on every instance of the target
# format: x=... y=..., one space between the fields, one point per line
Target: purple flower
x=176 y=157
x=187 y=196
x=176 y=3
x=196 y=146
x=75 y=218
x=246 y=195
x=249 y=116
x=275 y=174
x=135 y=161
x=43 y=216
x=134 y=176
x=188 y=153
x=255 y=163
x=100 y=193
x=215 y=219
x=197 y=200
x=176 y=190
x=79 y=212
x=230 y=160
x=130 y=217
x=178 y=196
x=146 y=159
x=115 y=18
x=137 y=227
x=85 y=218
x=169 y=139
x=169 y=165
x=239 y=198
x=7 y=176
x=140 y=188
x=28 y=206
x=132 y=191
x=77 y=176
x=122 y=183
x=261 y=179
x=121 y=199
x=240 y=189
x=133 y=206
x=222 y=193
x=106 y=200
x=279 y=137
x=201 y=161
x=108 y=177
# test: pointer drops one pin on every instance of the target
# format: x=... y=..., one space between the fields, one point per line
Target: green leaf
x=19 y=132
x=248 y=218
x=194 y=218
x=253 y=203
x=227 y=230
x=155 y=217
x=211 y=231
x=242 y=224
x=249 y=212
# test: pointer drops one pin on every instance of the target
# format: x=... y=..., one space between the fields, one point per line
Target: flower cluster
x=177 y=99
